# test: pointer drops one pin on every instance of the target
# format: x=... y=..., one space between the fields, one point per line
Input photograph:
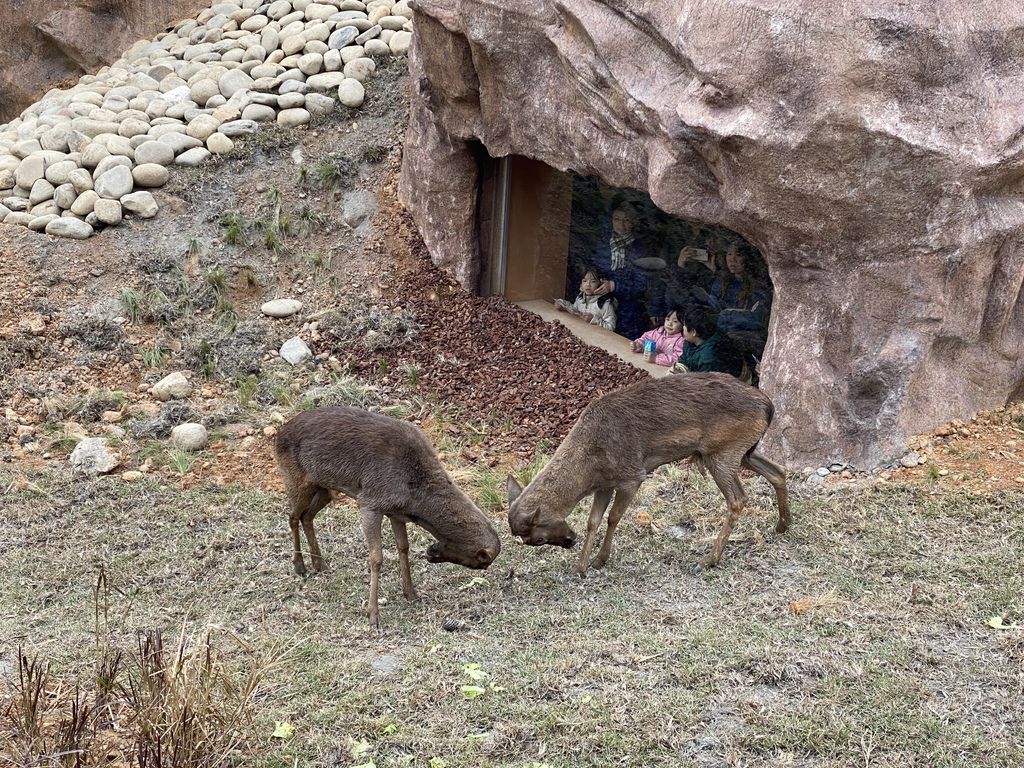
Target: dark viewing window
x=661 y=264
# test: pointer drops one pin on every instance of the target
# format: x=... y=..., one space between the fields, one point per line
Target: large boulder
x=874 y=163
x=43 y=43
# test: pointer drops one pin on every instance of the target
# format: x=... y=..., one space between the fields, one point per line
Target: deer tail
x=698 y=463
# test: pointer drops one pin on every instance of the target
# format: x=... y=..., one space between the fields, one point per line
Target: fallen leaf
x=996 y=622
x=282 y=730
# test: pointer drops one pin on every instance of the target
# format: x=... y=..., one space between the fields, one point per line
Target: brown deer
x=389 y=468
x=624 y=435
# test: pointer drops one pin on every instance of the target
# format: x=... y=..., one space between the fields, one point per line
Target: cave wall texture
x=873 y=151
x=46 y=43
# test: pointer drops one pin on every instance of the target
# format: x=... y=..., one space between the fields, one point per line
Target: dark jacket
x=632 y=286
x=680 y=287
x=713 y=354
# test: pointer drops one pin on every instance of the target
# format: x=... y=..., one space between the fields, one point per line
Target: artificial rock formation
x=871 y=151
x=42 y=44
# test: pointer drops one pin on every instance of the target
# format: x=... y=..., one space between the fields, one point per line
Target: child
x=596 y=310
x=705 y=349
x=668 y=340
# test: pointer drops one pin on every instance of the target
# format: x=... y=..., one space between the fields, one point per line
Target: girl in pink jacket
x=668 y=341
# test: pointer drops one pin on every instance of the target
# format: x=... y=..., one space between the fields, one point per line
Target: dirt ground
x=862 y=637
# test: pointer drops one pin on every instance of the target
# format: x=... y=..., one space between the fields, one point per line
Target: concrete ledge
x=594 y=335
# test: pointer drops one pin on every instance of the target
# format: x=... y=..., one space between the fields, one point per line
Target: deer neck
x=566 y=479
x=445 y=512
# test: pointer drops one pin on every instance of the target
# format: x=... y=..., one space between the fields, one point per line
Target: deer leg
x=623 y=496
x=297 y=563
x=299 y=497
x=371 y=521
x=601 y=499
x=402 y=540
x=727 y=478
x=320 y=499
x=775 y=475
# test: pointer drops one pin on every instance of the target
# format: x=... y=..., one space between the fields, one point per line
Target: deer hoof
x=412 y=596
x=703 y=564
x=598 y=563
x=300 y=567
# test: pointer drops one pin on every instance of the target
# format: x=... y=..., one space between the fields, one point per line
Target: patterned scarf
x=620 y=247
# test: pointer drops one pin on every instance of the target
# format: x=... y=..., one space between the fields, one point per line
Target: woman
x=625 y=262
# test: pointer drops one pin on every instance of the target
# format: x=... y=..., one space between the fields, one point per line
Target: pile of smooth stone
x=82 y=158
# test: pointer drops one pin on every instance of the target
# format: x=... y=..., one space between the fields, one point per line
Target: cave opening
x=551 y=241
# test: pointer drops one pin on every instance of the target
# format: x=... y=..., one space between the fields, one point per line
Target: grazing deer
x=624 y=435
x=390 y=470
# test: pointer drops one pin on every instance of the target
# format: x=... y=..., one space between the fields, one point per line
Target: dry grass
x=892 y=663
x=184 y=705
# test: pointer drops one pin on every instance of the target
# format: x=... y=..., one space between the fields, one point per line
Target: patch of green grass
x=375 y=153
x=412 y=374
x=311 y=221
x=226 y=315
x=245 y=389
x=154 y=355
x=194 y=249
x=234 y=228
x=283 y=394
x=249 y=278
x=327 y=173
x=181 y=460
x=216 y=279
x=133 y=303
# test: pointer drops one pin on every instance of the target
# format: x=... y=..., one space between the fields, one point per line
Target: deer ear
x=514 y=489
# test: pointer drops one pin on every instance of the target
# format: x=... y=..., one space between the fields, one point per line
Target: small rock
x=109 y=211
x=190 y=437
x=290 y=118
x=115 y=183
x=400 y=43
x=202 y=127
x=360 y=69
x=234 y=80
x=174 y=386
x=93 y=457
x=295 y=351
x=192 y=157
x=150 y=174
x=219 y=144
x=318 y=104
x=385 y=664
x=68 y=226
x=259 y=113
x=822 y=471
x=342 y=37
x=237 y=128
x=351 y=93
x=131 y=476
x=140 y=203
x=281 y=307
x=912 y=459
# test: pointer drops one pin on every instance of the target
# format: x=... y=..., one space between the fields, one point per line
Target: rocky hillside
x=271 y=268
x=44 y=44
x=83 y=157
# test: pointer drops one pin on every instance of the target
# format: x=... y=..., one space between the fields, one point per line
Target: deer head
x=533 y=522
